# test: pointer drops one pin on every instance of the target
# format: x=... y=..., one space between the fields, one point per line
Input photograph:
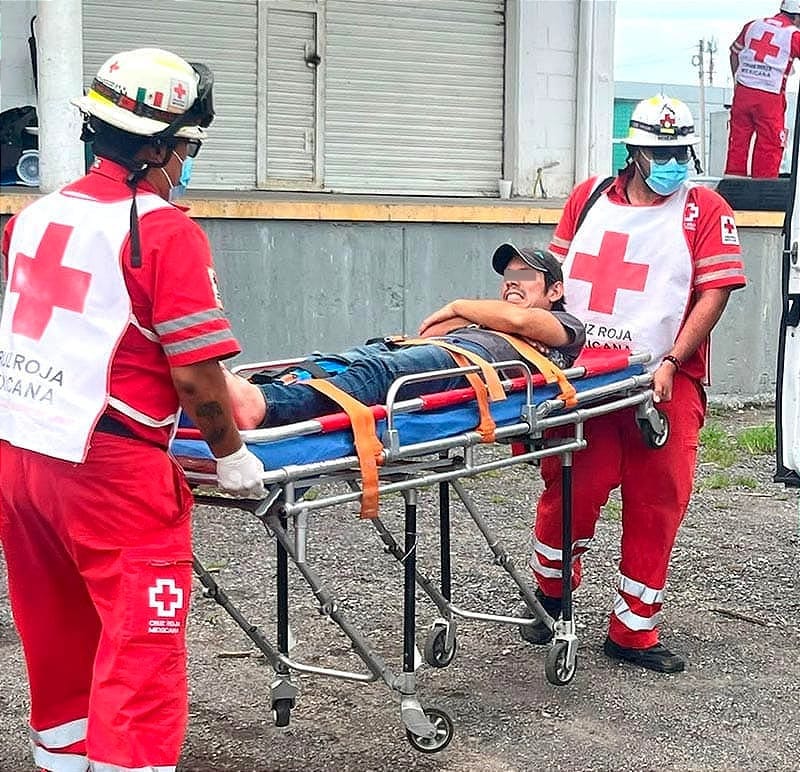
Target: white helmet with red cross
x=659 y=121
x=152 y=93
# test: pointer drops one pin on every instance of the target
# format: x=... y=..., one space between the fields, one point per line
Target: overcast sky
x=655 y=40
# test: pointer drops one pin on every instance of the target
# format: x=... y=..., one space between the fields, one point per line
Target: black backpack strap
x=592 y=200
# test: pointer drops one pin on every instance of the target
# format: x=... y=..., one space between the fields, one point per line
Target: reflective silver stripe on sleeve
x=559 y=242
x=194 y=344
x=714 y=275
x=190 y=320
x=59 y=762
x=633 y=621
x=716 y=260
x=641 y=591
x=60 y=736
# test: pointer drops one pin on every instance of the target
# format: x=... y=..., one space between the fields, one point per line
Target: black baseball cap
x=538 y=259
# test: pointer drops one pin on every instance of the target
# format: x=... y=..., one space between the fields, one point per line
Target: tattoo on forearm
x=209 y=415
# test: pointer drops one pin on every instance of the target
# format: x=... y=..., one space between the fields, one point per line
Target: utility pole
x=698 y=60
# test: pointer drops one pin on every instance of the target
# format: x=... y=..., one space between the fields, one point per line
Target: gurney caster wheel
x=444 y=733
x=281 y=710
x=652 y=438
x=559 y=672
x=436 y=652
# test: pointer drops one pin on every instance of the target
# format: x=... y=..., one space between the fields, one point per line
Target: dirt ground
x=732 y=604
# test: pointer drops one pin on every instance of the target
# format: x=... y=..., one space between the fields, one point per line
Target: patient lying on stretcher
x=531 y=307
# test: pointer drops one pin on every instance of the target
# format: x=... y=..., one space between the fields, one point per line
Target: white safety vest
x=628 y=275
x=65 y=310
x=765 y=57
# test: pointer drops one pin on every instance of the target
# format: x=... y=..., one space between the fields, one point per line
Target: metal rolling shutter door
x=414 y=96
x=219 y=33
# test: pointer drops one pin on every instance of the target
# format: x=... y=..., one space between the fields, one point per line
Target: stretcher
x=426 y=441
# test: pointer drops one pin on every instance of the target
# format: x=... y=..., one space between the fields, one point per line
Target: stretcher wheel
x=281 y=710
x=652 y=438
x=436 y=652
x=559 y=672
x=444 y=733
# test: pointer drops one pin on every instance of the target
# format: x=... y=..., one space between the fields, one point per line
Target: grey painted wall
x=293 y=287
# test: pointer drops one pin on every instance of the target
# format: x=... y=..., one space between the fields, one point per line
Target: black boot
x=658 y=657
x=539 y=633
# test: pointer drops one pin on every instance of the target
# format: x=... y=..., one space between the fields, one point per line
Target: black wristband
x=673 y=360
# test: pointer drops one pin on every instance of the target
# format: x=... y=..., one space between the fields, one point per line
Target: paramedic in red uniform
x=112 y=320
x=761 y=59
x=650 y=268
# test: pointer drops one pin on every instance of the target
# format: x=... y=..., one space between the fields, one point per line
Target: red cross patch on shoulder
x=215 y=287
x=729 y=234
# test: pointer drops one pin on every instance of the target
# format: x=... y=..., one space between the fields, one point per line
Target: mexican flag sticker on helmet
x=147 y=91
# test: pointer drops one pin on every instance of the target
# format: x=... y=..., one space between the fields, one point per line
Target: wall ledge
x=352 y=208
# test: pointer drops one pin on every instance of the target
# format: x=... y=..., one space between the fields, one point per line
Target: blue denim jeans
x=370 y=373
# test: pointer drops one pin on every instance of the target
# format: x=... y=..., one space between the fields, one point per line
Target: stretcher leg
x=562 y=657
x=427 y=730
x=444 y=539
x=504 y=560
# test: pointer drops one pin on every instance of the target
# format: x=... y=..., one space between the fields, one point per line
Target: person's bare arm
x=203 y=394
x=532 y=323
x=705 y=313
x=734 y=64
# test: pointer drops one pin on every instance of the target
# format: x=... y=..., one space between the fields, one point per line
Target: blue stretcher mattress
x=412 y=427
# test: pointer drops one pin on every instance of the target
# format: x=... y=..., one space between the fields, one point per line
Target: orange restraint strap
x=368 y=446
x=488 y=388
x=548 y=369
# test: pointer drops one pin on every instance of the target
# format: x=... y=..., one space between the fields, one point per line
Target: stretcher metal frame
x=406 y=469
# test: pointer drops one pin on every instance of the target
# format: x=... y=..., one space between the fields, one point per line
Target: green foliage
x=717 y=446
x=757 y=440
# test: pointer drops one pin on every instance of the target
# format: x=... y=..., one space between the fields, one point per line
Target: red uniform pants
x=99 y=576
x=761 y=113
x=655 y=484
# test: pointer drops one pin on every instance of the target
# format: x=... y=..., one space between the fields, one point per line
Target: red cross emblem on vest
x=608 y=272
x=763 y=47
x=43 y=284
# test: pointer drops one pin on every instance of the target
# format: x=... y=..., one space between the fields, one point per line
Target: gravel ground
x=733 y=598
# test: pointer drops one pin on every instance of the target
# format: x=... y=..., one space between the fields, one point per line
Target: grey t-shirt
x=501 y=350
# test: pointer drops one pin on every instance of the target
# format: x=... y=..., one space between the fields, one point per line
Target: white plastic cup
x=504 y=186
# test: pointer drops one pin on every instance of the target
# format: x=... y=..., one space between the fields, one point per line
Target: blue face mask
x=666 y=178
x=176 y=191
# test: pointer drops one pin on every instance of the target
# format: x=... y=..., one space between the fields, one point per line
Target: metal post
x=60 y=68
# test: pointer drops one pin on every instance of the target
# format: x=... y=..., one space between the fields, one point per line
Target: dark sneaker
x=539 y=633
x=658 y=657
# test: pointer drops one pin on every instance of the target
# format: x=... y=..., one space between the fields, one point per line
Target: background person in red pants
x=111 y=320
x=650 y=268
x=761 y=59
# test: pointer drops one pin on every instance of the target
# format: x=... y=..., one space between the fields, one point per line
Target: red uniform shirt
x=782 y=20
x=173 y=294
x=710 y=232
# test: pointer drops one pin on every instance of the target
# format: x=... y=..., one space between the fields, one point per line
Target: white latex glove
x=240 y=473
